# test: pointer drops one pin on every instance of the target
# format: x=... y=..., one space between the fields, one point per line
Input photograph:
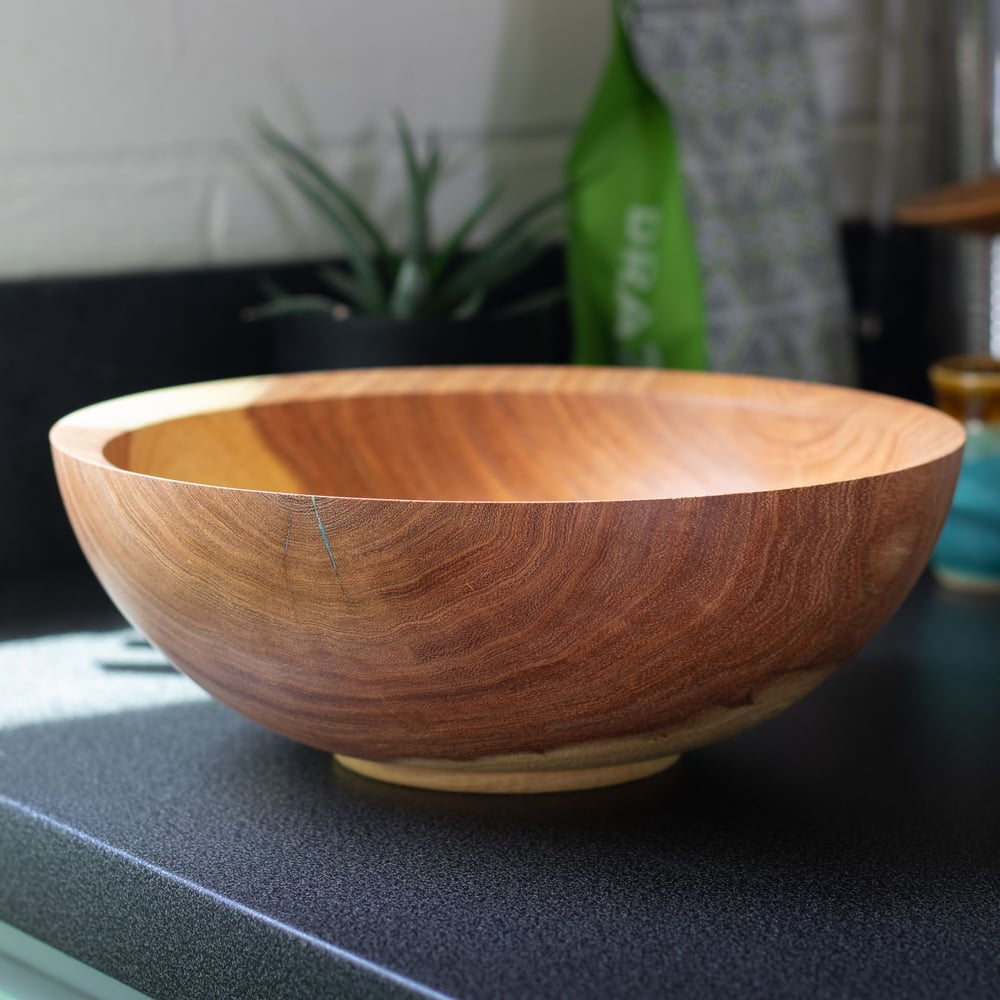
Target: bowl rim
x=86 y=433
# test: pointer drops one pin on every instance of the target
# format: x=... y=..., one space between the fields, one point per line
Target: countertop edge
x=79 y=895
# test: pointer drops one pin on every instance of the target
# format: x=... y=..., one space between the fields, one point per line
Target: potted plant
x=426 y=302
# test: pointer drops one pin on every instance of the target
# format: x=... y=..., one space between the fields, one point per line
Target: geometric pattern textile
x=737 y=81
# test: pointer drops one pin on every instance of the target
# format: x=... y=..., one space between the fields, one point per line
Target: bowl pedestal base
x=458 y=777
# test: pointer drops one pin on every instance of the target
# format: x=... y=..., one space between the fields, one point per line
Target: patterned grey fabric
x=737 y=81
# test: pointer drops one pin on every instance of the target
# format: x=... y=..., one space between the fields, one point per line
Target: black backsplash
x=65 y=343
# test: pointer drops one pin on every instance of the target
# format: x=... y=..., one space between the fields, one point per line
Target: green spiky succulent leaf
x=421 y=279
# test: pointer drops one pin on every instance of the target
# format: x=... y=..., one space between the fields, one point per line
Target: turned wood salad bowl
x=507 y=579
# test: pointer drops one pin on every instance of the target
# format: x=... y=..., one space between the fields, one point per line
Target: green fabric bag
x=635 y=283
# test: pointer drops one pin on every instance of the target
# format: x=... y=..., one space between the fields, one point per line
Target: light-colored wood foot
x=528 y=782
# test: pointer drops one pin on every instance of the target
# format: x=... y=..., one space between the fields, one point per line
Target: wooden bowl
x=507 y=579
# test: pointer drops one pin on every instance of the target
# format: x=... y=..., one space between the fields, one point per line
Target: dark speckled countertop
x=850 y=848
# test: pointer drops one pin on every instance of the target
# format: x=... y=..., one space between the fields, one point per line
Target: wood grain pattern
x=507 y=570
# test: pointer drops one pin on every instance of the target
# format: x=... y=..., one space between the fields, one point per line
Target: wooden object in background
x=507 y=579
x=970 y=206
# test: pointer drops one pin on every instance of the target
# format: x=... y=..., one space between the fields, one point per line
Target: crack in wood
x=326 y=541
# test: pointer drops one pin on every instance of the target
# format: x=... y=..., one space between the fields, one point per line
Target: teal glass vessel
x=967 y=556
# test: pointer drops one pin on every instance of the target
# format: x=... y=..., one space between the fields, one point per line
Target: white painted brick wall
x=123 y=138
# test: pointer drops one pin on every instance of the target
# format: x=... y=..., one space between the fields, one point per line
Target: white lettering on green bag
x=637 y=272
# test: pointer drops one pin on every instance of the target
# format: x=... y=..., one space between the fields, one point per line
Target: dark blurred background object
x=965 y=122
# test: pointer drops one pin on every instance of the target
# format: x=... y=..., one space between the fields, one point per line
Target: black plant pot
x=312 y=341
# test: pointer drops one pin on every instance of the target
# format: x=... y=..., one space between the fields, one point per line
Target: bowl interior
x=578 y=438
